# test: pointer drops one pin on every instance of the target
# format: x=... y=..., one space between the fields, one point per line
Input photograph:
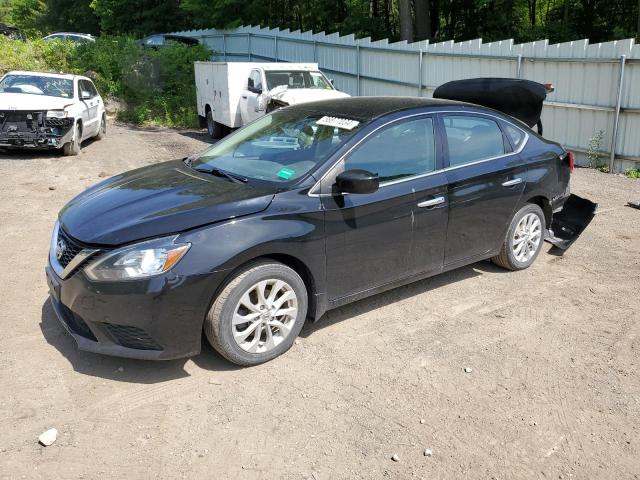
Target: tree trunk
x=532 y=12
x=387 y=18
x=435 y=17
x=423 y=19
x=406 y=25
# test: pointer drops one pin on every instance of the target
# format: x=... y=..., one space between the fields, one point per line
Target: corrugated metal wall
x=587 y=76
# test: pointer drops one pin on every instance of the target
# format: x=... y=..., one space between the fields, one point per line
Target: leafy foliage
x=523 y=20
x=156 y=86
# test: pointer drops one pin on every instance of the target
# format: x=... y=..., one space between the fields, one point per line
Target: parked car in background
x=71 y=36
x=163 y=39
x=11 y=32
x=47 y=110
x=306 y=209
x=232 y=94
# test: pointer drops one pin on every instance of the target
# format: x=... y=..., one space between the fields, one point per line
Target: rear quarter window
x=516 y=136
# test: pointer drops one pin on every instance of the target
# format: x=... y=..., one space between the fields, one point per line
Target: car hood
x=157 y=200
x=27 y=101
x=294 y=96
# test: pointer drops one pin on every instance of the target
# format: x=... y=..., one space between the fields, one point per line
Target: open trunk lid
x=521 y=99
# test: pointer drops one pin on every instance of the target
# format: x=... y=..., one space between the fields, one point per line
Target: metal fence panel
x=586 y=76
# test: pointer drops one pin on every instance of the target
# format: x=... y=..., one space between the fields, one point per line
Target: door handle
x=244 y=96
x=431 y=203
x=511 y=183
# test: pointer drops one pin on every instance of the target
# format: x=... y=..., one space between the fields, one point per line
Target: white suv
x=47 y=110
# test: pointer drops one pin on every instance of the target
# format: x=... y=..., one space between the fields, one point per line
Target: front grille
x=60 y=122
x=72 y=248
x=76 y=324
x=131 y=337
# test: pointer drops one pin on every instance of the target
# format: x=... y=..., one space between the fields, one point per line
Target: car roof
x=369 y=108
x=72 y=33
x=67 y=76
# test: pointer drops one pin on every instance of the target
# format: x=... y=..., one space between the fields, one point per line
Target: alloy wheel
x=527 y=237
x=264 y=316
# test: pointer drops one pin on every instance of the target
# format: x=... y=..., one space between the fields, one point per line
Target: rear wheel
x=524 y=239
x=73 y=147
x=215 y=129
x=258 y=314
x=102 y=132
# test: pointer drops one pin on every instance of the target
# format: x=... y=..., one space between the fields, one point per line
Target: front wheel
x=72 y=148
x=258 y=314
x=524 y=239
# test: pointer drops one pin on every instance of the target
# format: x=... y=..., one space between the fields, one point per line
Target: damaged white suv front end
x=49 y=111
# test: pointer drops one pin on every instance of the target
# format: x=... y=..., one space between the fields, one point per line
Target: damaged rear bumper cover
x=570 y=222
x=32 y=129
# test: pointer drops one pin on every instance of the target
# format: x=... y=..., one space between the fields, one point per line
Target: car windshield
x=279 y=148
x=37 y=85
x=301 y=79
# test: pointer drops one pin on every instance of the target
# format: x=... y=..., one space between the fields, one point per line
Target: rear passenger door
x=485 y=182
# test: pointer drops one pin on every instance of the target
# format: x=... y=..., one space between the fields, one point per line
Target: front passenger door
x=252 y=97
x=91 y=107
x=369 y=237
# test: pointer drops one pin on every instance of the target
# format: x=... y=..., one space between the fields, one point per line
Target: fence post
x=315 y=51
x=358 y=69
x=616 y=118
x=249 y=45
x=275 y=45
x=224 y=47
x=420 y=73
x=519 y=67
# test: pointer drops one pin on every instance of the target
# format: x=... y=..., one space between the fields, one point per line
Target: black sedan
x=306 y=209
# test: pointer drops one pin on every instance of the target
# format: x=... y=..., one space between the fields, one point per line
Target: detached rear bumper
x=569 y=223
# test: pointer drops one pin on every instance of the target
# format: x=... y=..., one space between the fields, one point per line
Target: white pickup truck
x=232 y=94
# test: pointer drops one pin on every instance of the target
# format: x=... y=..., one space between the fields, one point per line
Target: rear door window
x=471 y=139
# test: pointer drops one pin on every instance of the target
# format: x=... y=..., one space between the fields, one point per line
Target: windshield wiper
x=220 y=173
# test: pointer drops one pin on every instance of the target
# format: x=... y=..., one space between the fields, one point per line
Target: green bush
x=156 y=86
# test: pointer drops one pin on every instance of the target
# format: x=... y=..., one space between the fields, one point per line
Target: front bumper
x=34 y=130
x=156 y=319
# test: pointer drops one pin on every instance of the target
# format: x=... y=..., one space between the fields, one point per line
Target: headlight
x=57 y=114
x=137 y=261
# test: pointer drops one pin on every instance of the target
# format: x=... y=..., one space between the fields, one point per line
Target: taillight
x=572 y=161
x=549 y=87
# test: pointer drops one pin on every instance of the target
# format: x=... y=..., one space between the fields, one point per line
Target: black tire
x=506 y=258
x=102 y=132
x=218 y=323
x=72 y=148
x=215 y=129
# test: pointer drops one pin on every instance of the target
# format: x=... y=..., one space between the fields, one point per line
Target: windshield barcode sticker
x=343 y=123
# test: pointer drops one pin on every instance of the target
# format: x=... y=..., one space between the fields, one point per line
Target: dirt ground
x=554 y=390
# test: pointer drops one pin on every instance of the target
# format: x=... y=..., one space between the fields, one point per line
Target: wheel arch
x=291 y=261
x=544 y=203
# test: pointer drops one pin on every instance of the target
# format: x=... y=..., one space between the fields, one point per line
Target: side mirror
x=252 y=87
x=357 y=181
x=84 y=95
x=332 y=82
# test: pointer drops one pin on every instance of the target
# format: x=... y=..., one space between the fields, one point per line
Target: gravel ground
x=553 y=389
